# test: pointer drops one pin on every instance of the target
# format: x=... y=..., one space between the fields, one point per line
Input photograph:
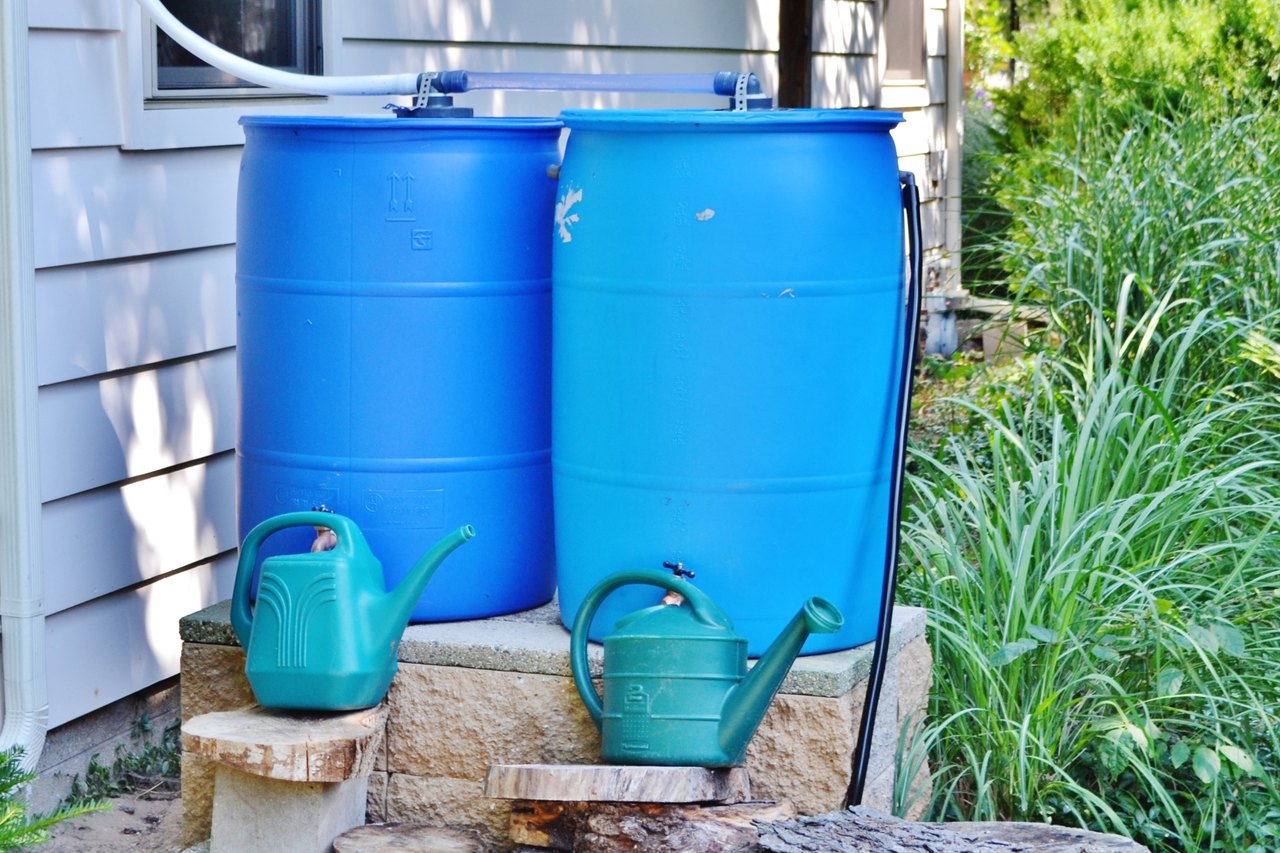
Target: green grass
x=1187 y=207
x=1100 y=556
x=1095 y=528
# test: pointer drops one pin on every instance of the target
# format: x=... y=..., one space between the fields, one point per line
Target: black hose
x=880 y=654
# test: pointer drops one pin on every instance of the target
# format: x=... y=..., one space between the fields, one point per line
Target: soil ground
x=136 y=822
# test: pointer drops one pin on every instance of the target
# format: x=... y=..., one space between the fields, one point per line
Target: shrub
x=1115 y=55
x=18 y=827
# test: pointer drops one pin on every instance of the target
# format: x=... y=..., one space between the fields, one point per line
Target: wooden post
x=795 y=53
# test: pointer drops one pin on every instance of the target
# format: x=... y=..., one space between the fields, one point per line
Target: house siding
x=134 y=213
x=134 y=288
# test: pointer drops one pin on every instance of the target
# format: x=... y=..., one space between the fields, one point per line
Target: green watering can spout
x=400 y=601
x=746 y=704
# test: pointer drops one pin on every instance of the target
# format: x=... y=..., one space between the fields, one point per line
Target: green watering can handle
x=704 y=609
x=349 y=539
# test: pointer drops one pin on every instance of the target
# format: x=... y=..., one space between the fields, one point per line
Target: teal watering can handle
x=703 y=609
x=241 y=613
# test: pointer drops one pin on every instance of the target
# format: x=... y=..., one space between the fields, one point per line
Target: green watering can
x=676 y=686
x=325 y=631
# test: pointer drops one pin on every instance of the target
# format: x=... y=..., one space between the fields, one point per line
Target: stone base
x=500 y=691
x=254 y=813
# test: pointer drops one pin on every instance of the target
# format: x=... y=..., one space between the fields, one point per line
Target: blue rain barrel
x=728 y=303
x=393 y=310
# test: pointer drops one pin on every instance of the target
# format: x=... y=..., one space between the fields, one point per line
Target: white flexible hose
x=373 y=84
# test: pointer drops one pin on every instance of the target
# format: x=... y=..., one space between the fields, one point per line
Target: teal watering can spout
x=324 y=632
x=400 y=601
x=746 y=704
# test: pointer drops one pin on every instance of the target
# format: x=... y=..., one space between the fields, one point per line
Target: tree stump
x=642 y=827
x=862 y=829
x=378 y=837
x=613 y=808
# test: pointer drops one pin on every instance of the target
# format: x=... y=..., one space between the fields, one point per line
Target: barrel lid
x=730 y=121
x=390 y=122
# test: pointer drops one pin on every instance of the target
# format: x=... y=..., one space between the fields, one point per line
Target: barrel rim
x=733 y=121
x=393 y=123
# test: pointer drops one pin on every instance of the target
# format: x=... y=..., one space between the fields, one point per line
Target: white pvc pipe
x=373 y=84
x=22 y=651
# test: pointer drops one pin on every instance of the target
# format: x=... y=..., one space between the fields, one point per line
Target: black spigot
x=677 y=569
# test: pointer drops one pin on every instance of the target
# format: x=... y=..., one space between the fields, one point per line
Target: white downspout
x=955 y=142
x=22 y=649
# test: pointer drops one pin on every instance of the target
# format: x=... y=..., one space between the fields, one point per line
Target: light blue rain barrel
x=393 y=310
x=728 y=304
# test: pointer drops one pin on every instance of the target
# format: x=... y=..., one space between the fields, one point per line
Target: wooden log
x=617 y=827
x=862 y=829
x=617 y=783
x=288 y=747
x=377 y=837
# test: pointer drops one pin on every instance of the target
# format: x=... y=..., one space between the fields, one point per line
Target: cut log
x=289 y=747
x=863 y=829
x=618 y=827
x=572 y=783
x=377 y=837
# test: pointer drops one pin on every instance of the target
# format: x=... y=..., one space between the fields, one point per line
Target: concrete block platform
x=499 y=691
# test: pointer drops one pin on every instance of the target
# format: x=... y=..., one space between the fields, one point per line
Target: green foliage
x=988 y=44
x=1092 y=70
x=149 y=765
x=1095 y=531
x=1187 y=206
x=984 y=221
x=18 y=827
x=1102 y=575
x=1250 y=34
x=989 y=30
x=1114 y=55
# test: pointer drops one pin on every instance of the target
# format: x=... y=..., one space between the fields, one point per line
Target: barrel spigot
x=677 y=569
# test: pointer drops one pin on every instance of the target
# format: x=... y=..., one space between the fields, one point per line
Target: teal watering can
x=324 y=633
x=676 y=686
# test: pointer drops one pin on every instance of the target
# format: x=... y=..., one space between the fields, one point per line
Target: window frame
x=898 y=69
x=156 y=124
x=309 y=35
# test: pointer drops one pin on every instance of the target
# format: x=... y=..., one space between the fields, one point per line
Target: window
x=281 y=34
x=903 y=25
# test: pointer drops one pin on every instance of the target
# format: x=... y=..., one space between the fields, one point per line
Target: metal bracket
x=426 y=83
x=747 y=94
x=740 y=93
x=431 y=101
